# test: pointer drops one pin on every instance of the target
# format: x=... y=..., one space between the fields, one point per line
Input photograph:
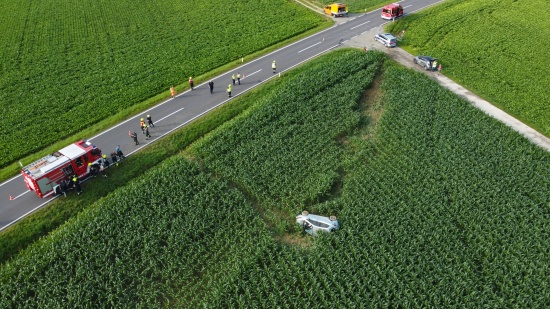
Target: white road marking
x=22 y=194
x=13 y=178
x=407 y=6
x=360 y=25
x=161 y=119
x=252 y=73
x=309 y=47
x=27 y=213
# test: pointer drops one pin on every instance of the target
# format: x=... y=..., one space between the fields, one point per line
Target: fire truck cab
x=43 y=175
x=392 y=11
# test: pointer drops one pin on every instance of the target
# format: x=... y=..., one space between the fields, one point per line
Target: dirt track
x=367 y=40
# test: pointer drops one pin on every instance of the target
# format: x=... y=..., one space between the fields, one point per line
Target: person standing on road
x=173 y=92
x=150 y=121
x=142 y=125
x=239 y=78
x=147 y=135
x=191 y=82
x=63 y=187
x=105 y=161
x=274 y=66
x=91 y=170
x=211 y=86
x=113 y=158
x=434 y=65
x=229 y=90
x=76 y=183
x=134 y=136
x=439 y=69
x=233 y=78
x=119 y=152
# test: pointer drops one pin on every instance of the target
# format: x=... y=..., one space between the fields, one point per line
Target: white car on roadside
x=387 y=39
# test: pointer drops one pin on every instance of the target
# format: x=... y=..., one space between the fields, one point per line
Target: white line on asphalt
x=360 y=25
x=161 y=119
x=13 y=178
x=22 y=194
x=309 y=47
x=407 y=6
x=27 y=213
x=252 y=73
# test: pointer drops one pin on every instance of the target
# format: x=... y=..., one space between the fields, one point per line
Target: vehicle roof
x=427 y=57
x=389 y=35
x=72 y=151
x=45 y=165
x=50 y=162
x=393 y=5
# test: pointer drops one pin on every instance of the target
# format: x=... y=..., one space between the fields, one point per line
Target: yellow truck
x=336 y=9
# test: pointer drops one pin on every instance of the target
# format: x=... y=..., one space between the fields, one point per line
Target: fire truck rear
x=43 y=175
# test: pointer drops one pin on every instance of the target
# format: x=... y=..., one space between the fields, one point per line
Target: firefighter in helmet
x=142 y=125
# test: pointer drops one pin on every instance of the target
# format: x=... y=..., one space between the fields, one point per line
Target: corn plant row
x=146 y=246
x=285 y=152
x=446 y=208
x=66 y=65
x=481 y=45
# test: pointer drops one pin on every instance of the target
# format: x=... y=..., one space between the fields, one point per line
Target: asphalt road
x=187 y=106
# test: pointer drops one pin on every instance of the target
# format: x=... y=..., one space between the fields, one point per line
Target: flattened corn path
x=404 y=58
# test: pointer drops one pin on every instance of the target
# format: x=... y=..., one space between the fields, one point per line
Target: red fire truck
x=392 y=11
x=42 y=176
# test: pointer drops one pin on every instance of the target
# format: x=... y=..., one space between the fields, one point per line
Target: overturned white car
x=313 y=224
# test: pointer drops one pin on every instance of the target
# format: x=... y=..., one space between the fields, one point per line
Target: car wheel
x=415 y=62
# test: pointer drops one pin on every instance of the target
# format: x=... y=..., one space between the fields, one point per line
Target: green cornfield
x=440 y=206
x=497 y=49
x=66 y=65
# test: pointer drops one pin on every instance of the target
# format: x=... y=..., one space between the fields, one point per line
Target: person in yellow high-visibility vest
x=173 y=91
x=239 y=78
x=76 y=183
x=229 y=88
x=233 y=78
x=142 y=125
x=274 y=66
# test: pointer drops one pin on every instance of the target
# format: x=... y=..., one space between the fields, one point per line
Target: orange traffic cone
x=12 y=198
